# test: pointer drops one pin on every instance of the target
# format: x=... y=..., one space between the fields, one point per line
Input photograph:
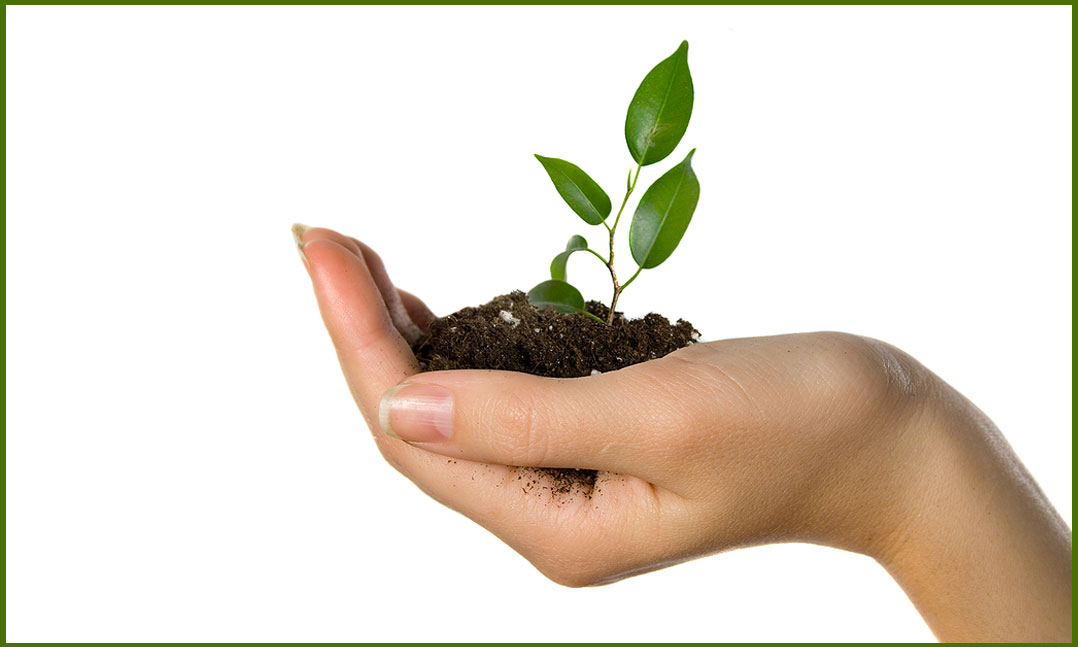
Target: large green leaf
x=557 y=266
x=586 y=198
x=663 y=214
x=660 y=109
x=559 y=294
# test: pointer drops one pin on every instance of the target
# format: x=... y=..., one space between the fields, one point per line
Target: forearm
x=981 y=553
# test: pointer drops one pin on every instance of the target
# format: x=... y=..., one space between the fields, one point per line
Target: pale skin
x=828 y=438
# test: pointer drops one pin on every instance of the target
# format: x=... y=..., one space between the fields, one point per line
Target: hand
x=826 y=438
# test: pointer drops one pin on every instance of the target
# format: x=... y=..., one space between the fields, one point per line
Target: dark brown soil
x=545 y=342
x=510 y=334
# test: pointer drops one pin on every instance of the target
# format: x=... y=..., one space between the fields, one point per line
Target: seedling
x=657 y=118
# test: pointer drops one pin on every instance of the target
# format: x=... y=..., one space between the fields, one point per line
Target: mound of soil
x=511 y=334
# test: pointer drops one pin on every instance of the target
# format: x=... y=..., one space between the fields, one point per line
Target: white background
x=184 y=461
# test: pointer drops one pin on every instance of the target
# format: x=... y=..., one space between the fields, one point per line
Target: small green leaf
x=557 y=266
x=560 y=295
x=586 y=198
x=663 y=214
x=660 y=110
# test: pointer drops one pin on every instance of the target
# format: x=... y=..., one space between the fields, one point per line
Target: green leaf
x=576 y=243
x=557 y=266
x=586 y=198
x=660 y=109
x=663 y=214
x=559 y=294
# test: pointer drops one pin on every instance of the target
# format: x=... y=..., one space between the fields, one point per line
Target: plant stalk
x=610 y=261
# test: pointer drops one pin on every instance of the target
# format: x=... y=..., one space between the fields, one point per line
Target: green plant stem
x=628 y=192
x=632 y=278
x=596 y=254
x=610 y=261
x=592 y=316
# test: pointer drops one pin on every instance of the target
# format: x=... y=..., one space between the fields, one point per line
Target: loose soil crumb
x=560 y=482
x=511 y=334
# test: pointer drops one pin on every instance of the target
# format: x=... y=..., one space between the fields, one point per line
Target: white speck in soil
x=508 y=318
x=535 y=329
x=596 y=371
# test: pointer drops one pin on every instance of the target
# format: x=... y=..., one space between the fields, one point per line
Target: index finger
x=371 y=351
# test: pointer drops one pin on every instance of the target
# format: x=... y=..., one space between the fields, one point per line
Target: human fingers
x=371 y=350
x=373 y=356
x=372 y=353
x=621 y=421
x=398 y=312
x=417 y=310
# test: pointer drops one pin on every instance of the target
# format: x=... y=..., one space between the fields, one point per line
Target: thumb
x=612 y=422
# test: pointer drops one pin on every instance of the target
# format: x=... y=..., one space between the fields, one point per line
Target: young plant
x=657 y=118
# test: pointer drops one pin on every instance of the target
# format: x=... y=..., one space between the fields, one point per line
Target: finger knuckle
x=514 y=435
x=871 y=372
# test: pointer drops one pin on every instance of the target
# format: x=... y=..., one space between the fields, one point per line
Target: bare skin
x=826 y=438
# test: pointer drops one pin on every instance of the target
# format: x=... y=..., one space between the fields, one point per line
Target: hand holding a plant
x=825 y=438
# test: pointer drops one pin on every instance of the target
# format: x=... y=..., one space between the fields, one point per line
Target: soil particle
x=510 y=334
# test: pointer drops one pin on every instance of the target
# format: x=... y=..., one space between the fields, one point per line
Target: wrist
x=970 y=537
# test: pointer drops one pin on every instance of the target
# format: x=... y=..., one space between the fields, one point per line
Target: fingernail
x=417 y=413
x=298 y=230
